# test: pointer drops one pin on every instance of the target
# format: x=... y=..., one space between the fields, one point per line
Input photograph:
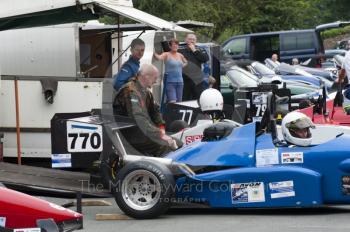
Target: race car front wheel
x=144 y=189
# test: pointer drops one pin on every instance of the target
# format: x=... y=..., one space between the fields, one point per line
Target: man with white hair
x=295 y=61
x=135 y=100
x=192 y=73
x=274 y=58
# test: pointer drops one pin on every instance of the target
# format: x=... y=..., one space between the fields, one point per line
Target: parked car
x=318 y=72
x=19 y=210
x=287 y=69
x=262 y=70
x=330 y=53
x=301 y=44
x=342 y=44
x=236 y=78
x=240 y=78
x=329 y=64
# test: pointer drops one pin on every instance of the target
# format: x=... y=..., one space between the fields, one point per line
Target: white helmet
x=292 y=123
x=211 y=100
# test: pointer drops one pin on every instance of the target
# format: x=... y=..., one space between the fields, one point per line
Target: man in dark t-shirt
x=192 y=72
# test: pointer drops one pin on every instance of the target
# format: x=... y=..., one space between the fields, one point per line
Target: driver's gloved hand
x=179 y=143
x=172 y=144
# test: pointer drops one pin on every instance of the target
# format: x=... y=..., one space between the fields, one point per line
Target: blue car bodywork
x=303 y=79
x=245 y=170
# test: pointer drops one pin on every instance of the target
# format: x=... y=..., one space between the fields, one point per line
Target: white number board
x=259 y=99
x=84 y=137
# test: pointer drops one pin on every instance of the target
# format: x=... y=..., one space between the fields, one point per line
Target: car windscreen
x=262 y=69
x=339 y=60
x=270 y=64
x=284 y=68
x=240 y=78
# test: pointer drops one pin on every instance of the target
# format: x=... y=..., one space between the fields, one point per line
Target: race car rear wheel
x=144 y=189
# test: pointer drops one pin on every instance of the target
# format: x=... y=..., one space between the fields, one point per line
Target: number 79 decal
x=259 y=99
x=83 y=137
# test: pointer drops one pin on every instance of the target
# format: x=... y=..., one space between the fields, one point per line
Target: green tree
x=232 y=17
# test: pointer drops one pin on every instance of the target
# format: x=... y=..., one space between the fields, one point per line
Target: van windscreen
x=236 y=46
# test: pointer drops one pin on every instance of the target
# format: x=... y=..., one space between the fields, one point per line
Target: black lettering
x=85 y=136
x=95 y=140
x=74 y=136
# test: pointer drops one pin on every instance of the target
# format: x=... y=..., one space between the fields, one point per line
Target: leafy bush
x=335 y=32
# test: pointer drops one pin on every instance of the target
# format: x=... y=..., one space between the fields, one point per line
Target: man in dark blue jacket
x=131 y=66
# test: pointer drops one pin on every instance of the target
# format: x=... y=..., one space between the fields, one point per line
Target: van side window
x=270 y=43
x=236 y=46
x=297 y=41
x=263 y=47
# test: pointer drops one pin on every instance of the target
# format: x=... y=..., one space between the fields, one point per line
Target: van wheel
x=144 y=190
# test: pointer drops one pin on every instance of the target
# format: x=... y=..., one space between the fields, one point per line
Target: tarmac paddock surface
x=194 y=218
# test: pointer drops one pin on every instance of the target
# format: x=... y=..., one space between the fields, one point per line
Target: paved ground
x=335 y=219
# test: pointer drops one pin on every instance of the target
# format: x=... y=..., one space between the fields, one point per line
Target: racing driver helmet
x=211 y=100
x=296 y=129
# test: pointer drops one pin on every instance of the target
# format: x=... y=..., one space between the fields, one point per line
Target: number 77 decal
x=184 y=112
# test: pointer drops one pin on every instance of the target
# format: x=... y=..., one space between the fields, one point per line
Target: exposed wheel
x=177 y=126
x=144 y=189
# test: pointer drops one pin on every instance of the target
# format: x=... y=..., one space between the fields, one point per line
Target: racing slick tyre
x=144 y=189
x=177 y=126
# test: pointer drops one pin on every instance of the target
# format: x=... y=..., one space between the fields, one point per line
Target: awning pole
x=18 y=132
x=119 y=41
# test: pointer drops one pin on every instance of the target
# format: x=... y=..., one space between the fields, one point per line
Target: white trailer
x=78 y=58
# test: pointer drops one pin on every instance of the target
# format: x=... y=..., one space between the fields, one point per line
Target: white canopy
x=24 y=13
x=141 y=16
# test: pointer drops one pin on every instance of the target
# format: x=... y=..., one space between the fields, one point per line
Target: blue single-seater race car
x=235 y=167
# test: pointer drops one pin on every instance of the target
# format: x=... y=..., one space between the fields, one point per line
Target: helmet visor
x=300 y=123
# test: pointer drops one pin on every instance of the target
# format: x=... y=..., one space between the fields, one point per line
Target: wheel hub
x=144 y=189
x=141 y=189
